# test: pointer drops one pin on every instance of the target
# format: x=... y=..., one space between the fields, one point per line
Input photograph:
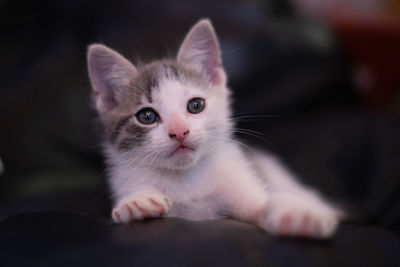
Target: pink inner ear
x=211 y=69
x=109 y=72
x=200 y=49
x=211 y=61
x=101 y=88
x=108 y=99
x=210 y=49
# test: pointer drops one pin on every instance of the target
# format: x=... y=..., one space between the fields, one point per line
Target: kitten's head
x=166 y=114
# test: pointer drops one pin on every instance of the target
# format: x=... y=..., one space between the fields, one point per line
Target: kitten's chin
x=182 y=159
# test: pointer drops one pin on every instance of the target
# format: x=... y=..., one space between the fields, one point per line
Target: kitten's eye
x=196 y=105
x=147 y=116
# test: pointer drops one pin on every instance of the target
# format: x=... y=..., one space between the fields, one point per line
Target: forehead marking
x=151 y=75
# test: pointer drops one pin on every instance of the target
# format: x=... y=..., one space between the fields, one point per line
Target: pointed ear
x=109 y=73
x=200 y=50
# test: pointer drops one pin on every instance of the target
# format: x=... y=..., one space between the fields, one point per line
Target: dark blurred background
x=327 y=73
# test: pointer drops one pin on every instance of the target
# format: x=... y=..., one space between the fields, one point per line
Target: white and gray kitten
x=170 y=149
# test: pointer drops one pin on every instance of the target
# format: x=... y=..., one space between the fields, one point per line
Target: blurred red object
x=373 y=47
x=368 y=32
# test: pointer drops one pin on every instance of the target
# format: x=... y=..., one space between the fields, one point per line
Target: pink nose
x=178 y=134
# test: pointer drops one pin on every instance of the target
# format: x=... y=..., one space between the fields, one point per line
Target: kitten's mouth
x=181 y=150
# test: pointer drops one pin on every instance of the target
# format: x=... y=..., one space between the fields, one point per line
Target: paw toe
x=305 y=226
x=160 y=208
x=140 y=207
x=116 y=217
x=284 y=225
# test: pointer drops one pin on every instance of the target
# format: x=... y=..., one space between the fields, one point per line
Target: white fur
x=215 y=179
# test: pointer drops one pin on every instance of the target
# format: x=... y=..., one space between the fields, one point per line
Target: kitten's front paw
x=288 y=215
x=141 y=207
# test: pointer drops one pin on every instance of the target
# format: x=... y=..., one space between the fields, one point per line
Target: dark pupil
x=147 y=115
x=195 y=105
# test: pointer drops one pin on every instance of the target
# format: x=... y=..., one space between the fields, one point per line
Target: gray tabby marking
x=120 y=124
x=136 y=137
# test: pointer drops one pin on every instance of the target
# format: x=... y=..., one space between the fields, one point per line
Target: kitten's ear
x=200 y=50
x=109 y=74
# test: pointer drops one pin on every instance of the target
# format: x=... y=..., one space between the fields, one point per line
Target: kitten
x=170 y=149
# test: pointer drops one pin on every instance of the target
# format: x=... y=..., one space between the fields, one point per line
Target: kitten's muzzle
x=178 y=134
x=181 y=149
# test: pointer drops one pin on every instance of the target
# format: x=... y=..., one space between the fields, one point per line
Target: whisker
x=254 y=117
x=248 y=130
x=254 y=135
x=235 y=141
x=234 y=50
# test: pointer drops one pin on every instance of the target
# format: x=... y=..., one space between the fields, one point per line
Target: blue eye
x=147 y=116
x=195 y=105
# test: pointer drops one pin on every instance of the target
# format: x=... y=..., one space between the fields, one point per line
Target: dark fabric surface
x=71 y=239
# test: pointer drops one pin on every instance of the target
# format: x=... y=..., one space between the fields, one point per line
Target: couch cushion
x=72 y=239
